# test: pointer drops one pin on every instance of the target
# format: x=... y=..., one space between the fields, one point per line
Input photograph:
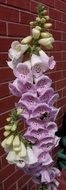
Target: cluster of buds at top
x=39 y=32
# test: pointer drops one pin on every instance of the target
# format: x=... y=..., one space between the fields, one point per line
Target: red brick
x=4 y=173
x=1 y=186
x=64 y=108
x=5 y=44
x=9 y=14
x=64 y=92
x=23 y=181
x=3 y=119
x=2 y=1
x=57 y=34
x=55 y=14
x=64 y=73
x=7 y=103
x=60 y=5
x=30 y=184
x=13 y=178
x=4 y=90
x=7 y=73
x=3 y=58
x=26 y=17
x=59 y=84
x=49 y=2
x=55 y=76
x=34 y=5
x=64 y=55
x=13 y=187
x=63 y=35
x=4 y=161
x=59 y=65
x=18 y=30
x=2 y=28
x=20 y=4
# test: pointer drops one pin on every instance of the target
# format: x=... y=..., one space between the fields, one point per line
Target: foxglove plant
x=31 y=151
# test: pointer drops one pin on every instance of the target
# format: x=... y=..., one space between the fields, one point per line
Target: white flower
x=35 y=33
x=25 y=156
x=15 y=53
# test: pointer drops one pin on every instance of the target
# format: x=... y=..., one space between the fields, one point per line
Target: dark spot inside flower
x=43 y=116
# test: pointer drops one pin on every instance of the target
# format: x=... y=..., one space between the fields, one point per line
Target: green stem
x=43 y=187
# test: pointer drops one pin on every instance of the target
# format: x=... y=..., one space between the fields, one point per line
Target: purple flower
x=53 y=99
x=23 y=72
x=30 y=100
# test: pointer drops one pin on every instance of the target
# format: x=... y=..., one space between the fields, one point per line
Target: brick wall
x=14 y=24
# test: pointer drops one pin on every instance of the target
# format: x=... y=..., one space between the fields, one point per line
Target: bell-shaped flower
x=53 y=99
x=37 y=65
x=16 y=53
x=23 y=72
x=43 y=157
x=41 y=111
x=54 y=113
x=48 y=62
x=42 y=83
x=46 y=95
x=14 y=88
x=30 y=100
x=51 y=127
x=35 y=123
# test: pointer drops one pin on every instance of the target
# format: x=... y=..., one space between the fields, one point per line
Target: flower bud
x=14 y=127
x=9 y=140
x=46 y=41
x=46 y=35
x=8 y=127
x=26 y=40
x=44 y=12
x=31 y=23
x=3 y=144
x=8 y=119
x=35 y=33
x=47 y=17
x=6 y=133
x=23 y=151
x=38 y=19
x=47 y=25
x=19 y=111
x=16 y=141
x=38 y=28
x=43 y=20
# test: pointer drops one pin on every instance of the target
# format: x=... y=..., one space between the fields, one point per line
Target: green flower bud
x=3 y=144
x=44 y=12
x=16 y=141
x=35 y=33
x=19 y=111
x=43 y=20
x=47 y=25
x=23 y=151
x=46 y=35
x=9 y=140
x=31 y=23
x=46 y=41
x=38 y=28
x=26 y=40
x=8 y=127
x=38 y=19
x=47 y=17
x=6 y=133
x=14 y=127
x=8 y=119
